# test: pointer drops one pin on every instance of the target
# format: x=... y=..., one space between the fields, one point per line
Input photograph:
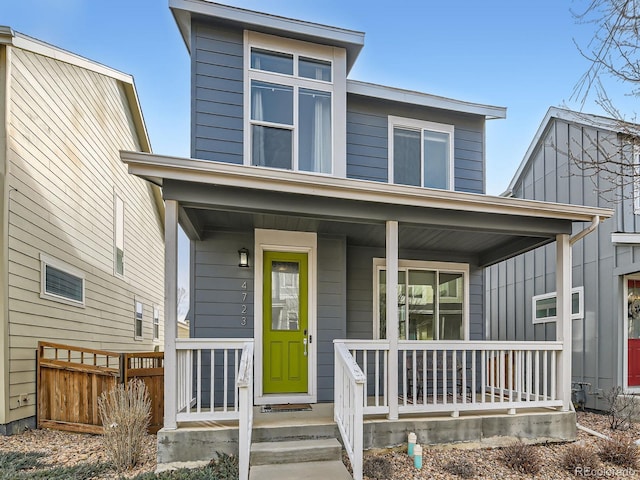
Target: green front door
x=285 y=317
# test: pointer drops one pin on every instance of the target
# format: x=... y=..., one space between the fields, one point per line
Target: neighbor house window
x=118 y=228
x=432 y=300
x=138 y=320
x=420 y=153
x=545 y=306
x=290 y=100
x=156 y=323
x=61 y=282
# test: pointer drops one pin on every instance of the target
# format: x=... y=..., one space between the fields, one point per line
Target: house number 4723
x=243 y=306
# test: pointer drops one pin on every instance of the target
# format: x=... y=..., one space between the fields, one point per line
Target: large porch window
x=432 y=300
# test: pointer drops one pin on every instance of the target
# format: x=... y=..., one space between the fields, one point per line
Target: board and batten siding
x=550 y=175
x=216 y=93
x=217 y=283
x=367 y=140
x=66 y=128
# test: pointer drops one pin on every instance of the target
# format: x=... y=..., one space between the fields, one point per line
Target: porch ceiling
x=481 y=229
x=479 y=247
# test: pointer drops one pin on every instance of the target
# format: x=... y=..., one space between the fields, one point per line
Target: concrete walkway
x=333 y=470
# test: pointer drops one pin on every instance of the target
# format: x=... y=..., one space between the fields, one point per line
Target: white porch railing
x=207 y=378
x=348 y=407
x=455 y=376
x=245 y=422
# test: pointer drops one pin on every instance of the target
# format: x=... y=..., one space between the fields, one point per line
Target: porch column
x=170 y=312
x=563 y=315
x=392 y=316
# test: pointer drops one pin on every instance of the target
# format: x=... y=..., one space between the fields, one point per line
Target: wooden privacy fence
x=71 y=379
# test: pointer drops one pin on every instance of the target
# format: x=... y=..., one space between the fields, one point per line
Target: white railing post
x=392 y=316
x=170 y=313
x=349 y=409
x=563 y=323
x=244 y=385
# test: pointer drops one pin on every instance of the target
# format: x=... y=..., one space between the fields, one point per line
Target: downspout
x=595 y=221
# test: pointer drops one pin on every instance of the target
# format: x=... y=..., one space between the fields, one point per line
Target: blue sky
x=520 y=55
x=516 y=54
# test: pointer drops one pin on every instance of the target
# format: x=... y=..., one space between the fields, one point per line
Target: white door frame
x=625 y=343
x=285 y=241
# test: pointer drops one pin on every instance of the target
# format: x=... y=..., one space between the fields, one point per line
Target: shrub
x=377 y=468
x=622 y=409
x=461 y=467
x=579 y=459
x=620 y=451
x=521 y=458
x=224 y=467
x=125 y=413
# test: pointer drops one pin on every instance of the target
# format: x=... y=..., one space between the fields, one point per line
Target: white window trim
x=135 y=319
x=156 y=316
x=413 y=124
x=447 y=267
x=544 y=296
x=337 y=87
x=65 y=267
x=117 y=197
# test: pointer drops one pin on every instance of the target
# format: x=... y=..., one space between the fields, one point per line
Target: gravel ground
x=67 y=449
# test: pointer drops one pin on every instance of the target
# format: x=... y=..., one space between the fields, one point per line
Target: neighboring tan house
x=339 y=234
x=81 y=242
x=520 y=292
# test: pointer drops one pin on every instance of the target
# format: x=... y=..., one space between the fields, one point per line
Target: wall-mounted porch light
x=244 y=258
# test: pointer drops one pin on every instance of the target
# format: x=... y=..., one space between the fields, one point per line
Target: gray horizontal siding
x=367 y=142
x=217 y=93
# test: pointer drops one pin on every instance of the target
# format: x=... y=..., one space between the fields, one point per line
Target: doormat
x=289 y=407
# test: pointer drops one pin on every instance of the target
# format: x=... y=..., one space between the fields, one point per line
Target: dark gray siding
x=332 y=291
x=216 y=93
x=551 y=176
x=360 y=290
x=218 y=287
x=217 y=300
x=367 y=143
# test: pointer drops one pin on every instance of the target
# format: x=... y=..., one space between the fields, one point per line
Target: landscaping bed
x=50 y=454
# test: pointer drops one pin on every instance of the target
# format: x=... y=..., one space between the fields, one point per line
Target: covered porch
x=357 y=361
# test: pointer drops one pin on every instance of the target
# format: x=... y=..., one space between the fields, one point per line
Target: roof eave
x=204 y=171
x=351 y=40
x=393 y=94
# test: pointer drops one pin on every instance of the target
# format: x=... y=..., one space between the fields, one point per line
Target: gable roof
x=184 y=10
x=10 y=37
x=596 y=121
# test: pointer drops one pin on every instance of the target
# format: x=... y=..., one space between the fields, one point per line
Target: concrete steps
x=334 y=470
x=309 y=459
x=296 y=451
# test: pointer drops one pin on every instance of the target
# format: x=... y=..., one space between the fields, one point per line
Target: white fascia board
x=351 y=40
x=261 y=178
x=579 y=118
x=626 y=238
x=366 y=89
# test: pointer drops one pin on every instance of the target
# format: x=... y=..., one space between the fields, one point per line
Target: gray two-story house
x=580 y=159
x=339 y=231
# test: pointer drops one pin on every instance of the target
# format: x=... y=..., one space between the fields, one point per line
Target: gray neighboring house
x=339 y=234
x=520 y=292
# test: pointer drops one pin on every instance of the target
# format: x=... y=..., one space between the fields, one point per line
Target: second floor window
x=118 y=247
x=290 y=118
x=420 y=153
